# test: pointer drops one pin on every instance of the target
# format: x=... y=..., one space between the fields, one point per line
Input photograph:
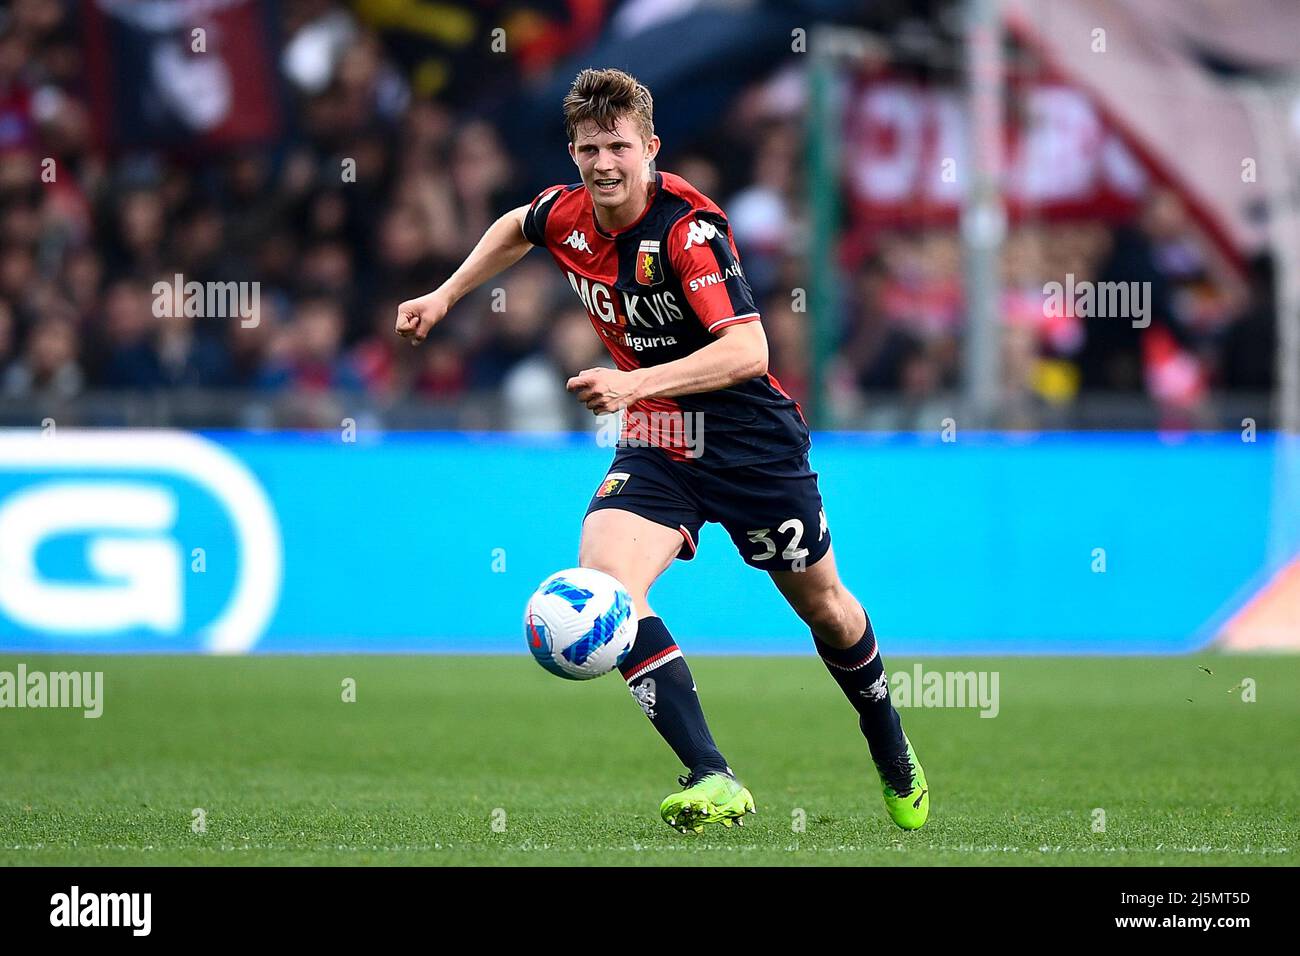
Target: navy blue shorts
x=773 y=512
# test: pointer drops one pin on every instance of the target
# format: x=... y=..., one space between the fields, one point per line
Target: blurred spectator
x=249 y=346
x=442 y=373
x=790 y=342
x=138 y=233
x=876 y=350
x=48 y=368
x=127 y=353
x=406 y=265
x=481 y=174
x=1250 y=348
x=534 y=391
x=18 y=275
x=8 y=336
x=189 y=359
x=305 y=356
x=512 y=324
x=764 y=216
x=83 y=277
x=378 y=357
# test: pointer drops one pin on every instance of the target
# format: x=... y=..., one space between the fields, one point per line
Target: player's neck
x=619 y=218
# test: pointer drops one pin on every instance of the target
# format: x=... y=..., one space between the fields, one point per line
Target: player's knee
x=834 y=617
x=828 y=625
x=819 y=611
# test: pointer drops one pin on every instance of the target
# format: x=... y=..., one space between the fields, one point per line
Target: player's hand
x=416 y=317
x=604 y=390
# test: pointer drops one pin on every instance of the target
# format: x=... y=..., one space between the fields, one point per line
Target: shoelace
x=688 y=780
x=899 y=774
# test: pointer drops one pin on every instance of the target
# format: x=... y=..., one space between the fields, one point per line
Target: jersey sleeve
x=535 y=218
x=704 y=257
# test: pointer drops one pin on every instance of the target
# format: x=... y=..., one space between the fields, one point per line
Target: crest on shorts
x=613 y=484
x=649 y=270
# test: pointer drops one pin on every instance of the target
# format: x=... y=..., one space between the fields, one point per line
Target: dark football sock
x=861 y=675
x=659 y=679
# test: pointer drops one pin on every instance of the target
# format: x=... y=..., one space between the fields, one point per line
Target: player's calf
x=846 y=643
x=860 y=672
x=842 y=633
x=661 y=683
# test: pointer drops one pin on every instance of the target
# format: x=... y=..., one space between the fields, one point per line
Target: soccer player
x=708 y=434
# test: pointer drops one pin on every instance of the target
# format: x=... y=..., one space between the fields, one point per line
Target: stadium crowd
x=385 y=180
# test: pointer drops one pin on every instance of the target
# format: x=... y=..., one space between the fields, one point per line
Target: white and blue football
x=580 y=624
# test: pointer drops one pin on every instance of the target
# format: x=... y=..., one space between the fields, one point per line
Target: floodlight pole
x=983 y=218
x=1268 y=107
x=832 y=48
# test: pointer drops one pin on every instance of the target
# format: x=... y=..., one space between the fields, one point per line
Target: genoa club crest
x=613 y=484
x=649 y=270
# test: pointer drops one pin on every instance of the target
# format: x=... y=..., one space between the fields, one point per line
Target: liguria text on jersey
x=658 y=291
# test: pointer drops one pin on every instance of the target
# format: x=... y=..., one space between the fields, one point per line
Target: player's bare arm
x=501 y=247
x=739 y=354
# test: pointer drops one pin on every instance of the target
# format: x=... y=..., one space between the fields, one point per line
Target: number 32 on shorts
x=794 y=528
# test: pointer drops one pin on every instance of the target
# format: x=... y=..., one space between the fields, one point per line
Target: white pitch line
x=639 y=848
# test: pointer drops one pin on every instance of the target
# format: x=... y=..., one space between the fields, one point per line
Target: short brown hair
x=602 y=96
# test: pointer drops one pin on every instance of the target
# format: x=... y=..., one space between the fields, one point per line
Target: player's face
x=614 y=165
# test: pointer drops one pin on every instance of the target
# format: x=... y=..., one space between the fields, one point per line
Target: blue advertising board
x=160 y=541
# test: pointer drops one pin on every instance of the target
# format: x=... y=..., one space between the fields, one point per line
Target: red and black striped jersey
x=657 y=291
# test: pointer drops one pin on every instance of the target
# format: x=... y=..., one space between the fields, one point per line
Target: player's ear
x=652 y=149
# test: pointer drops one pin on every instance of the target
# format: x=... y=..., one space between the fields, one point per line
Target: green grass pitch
x=489 y=760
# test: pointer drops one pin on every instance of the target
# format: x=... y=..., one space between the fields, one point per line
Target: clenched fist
x=416 y=317
x=604 y=390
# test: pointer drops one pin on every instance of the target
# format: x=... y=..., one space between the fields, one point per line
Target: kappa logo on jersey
x=699 y=233
x=649 y=270
x=578 y=241
x=613 y=484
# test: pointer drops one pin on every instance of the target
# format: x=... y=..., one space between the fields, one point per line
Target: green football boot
x=713 y=797
x=907 y=797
